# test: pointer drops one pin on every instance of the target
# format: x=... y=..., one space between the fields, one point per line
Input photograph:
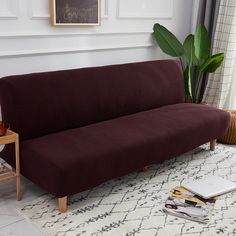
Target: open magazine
x=185 y=204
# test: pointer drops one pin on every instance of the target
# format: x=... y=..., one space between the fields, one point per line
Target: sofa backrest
x=43 y=103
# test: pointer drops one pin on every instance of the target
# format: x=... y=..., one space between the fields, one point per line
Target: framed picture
x=75 y=12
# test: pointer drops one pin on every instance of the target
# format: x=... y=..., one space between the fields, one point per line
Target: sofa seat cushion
x=84 y=157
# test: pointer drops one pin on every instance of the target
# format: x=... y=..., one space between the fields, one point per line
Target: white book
x=210 y=186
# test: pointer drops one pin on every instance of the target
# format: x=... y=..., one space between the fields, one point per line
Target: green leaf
x=202 y=43
x=189 y=50
x=188 y=82
x=212 y=63
x=168 y=43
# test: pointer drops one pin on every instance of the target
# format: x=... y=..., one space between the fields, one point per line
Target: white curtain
x=219 y=91
x=231 y=99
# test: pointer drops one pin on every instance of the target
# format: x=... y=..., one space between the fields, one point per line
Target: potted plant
x=194 y=54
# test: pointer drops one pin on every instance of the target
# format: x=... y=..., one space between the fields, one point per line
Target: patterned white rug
x=131 y=205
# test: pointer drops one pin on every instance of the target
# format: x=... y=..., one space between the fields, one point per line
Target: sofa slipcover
x=79 y=128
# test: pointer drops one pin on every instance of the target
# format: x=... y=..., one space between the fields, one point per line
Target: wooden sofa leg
x=213 y=145
x=62 y=203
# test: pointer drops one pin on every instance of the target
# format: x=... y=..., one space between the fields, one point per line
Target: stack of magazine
x=195 y=200
x=185 y=204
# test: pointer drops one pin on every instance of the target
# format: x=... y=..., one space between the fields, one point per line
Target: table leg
x=18 y=194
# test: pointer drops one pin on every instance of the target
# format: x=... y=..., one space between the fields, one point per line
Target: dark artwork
x=76 y=11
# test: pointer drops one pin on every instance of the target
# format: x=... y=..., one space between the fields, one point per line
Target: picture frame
x=75 y=12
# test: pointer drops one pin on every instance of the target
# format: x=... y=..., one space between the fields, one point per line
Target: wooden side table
x=7 y=173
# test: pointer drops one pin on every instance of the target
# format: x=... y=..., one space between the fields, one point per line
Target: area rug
x=132 y=205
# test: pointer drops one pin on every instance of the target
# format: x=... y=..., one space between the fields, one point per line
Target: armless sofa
x=81 y=127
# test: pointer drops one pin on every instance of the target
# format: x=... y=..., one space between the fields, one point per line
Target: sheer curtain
x=231 y=98
x=219 y=90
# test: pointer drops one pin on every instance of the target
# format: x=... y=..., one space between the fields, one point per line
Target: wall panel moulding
x=9 y=9
x=75 y=34
x=145 y=9
x=58 y=45
x=30 y=53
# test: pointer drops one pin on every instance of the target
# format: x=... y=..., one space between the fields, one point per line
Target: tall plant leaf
x=202 y=43
x=188 y=82
x=189 y=50
x=168 y=43
x=212 y=63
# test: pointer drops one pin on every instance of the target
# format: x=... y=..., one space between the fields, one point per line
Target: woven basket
x=230 y=136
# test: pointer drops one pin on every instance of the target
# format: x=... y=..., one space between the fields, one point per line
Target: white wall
x=28 y=43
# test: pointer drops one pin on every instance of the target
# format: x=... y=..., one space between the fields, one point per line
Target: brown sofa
x=79 y=128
